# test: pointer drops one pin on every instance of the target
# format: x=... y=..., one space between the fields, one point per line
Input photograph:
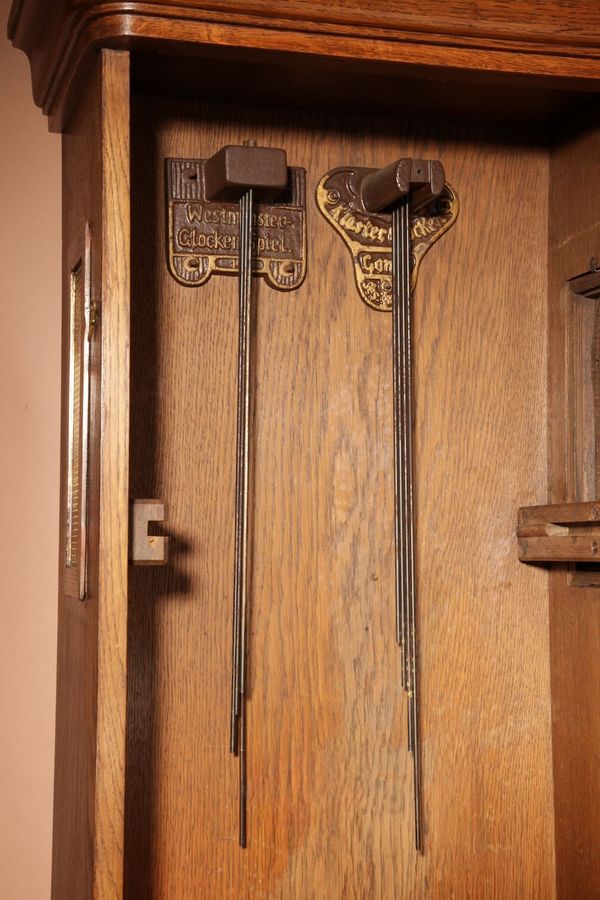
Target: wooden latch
x=563 y=532
x=147 y=549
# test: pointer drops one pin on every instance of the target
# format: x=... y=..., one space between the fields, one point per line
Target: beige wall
x=29 y=468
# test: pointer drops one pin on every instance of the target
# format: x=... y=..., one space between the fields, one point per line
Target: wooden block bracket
x=564 y=532
x=147 y=549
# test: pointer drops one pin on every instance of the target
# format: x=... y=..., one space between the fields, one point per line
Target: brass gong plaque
x=368 y=236
x=203 y=235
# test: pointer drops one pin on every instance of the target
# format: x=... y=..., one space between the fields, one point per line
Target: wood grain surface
x=542 y=38
x=559 y=513
x=330 y=792
x=574 y=611
x=91 y=676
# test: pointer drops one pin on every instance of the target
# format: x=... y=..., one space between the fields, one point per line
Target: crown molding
x=559 y=41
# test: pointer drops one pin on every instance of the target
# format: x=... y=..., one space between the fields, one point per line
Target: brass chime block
x=203 y=217
x=354 y=200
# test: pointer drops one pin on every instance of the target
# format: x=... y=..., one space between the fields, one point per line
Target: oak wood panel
x=555 y=38
x=330 y=794
x=114 y=478
x=91 y=685
x=574 y=611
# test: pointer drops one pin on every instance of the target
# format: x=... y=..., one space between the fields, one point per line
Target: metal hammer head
x=422 y=179
x=236 y=169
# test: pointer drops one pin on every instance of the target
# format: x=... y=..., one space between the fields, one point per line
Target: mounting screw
x=595 y=512
x=594 y=546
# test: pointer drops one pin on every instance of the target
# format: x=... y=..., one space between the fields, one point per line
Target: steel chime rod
x=404 y=186
x=240 y=585
x=405 y=190
x=244 y=173
x=403 y=481
x=400 y=288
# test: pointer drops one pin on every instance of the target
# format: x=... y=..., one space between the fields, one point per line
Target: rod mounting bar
x=422 y=179
x=235 y=169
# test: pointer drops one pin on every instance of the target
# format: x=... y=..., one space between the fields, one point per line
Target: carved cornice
x=555 y=38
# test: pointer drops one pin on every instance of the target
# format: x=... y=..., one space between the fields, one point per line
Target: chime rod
x=402 y=302
x=412 y=637
x=403 y=298
x=404 y=511
x=245 y=281
x=243 y=173
x=400 y=290
x=240 y=581
x=243 y=794
x=235 y=656
x=240 y=591
x=405 y=185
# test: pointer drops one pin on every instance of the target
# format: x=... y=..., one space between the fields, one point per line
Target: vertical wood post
x=92 y=633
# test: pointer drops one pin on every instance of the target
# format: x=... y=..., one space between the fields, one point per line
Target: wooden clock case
x=145 y=797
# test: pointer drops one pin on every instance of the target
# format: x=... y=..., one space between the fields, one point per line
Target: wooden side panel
x=330 y=790
x=90 y=718
x=574 y=611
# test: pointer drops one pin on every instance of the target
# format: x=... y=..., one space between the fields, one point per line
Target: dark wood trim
x=559 y=514
x=574 y=609
x=587 y=285
x=57 y=37
x=89 y=785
